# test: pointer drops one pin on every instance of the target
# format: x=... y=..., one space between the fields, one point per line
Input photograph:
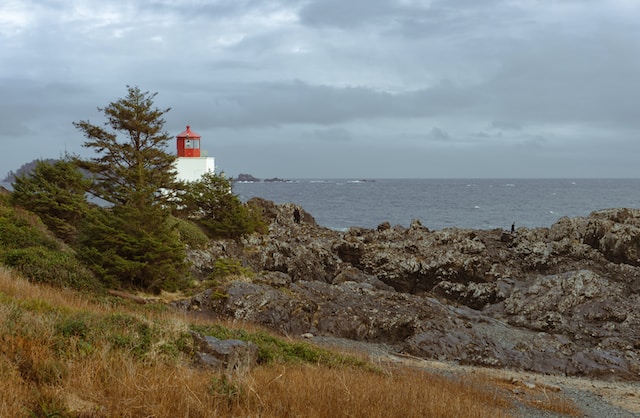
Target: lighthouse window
x=192 y=143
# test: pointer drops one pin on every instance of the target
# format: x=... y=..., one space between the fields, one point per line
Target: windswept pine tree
x=132 y=166
x=54 y=190
x=132 y=243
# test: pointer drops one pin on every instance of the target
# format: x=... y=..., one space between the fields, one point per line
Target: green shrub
x=118 y=331
x=20 y=229
x=181 y=344
x=74 y=326
x=190 y=233
x=27 y=246
x=226 y=267
x=272 y=349
x=58 y=268
x=211 y=203
x=55 y=192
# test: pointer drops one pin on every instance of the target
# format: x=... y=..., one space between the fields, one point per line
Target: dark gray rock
x=246 y=178
x=228 y=356
x=558 y=300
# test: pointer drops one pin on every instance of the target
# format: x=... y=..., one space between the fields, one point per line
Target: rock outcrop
x=562 y=300
x=232 y=357
x=242 y=177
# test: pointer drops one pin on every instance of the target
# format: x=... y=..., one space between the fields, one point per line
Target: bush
x=74 y=326
x=227 y=267
x=58 y=268
x=21 y=229
x=190 y=234
x=212 y=205
x=119 y=331
x=27 y=246
x=55 y=192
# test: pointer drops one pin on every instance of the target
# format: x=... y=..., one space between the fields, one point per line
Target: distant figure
x=513 y=227
x=296 y=215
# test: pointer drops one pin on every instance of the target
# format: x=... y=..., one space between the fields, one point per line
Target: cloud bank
x=327 y=88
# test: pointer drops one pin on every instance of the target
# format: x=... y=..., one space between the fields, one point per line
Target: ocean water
x=443 y=203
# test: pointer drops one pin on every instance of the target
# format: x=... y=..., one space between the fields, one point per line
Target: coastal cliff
x=560 y=300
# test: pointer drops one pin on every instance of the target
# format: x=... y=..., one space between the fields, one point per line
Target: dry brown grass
x=538 y=396
x=112 y=384
x=44 y=373
x=320 y=392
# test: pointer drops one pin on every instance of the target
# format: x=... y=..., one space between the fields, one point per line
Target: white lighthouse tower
x=190 y=166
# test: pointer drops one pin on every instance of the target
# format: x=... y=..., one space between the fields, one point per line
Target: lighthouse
x=190 y=166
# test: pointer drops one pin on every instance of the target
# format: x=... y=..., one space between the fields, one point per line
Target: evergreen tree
x=132 y=242
x=55 y=191
x=211 y=203
x=26 y=168
x=125 y=252
x=132 y=166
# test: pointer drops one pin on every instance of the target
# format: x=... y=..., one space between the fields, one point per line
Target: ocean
x=445 y=203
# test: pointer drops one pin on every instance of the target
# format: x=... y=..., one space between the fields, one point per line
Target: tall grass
x=68 y=354
x=305 y=390
x=115 y=384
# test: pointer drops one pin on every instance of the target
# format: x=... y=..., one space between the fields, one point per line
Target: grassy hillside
x=65 y=353
x=29 y=247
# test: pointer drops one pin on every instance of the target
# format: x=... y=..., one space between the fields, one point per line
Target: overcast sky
x=338 y=88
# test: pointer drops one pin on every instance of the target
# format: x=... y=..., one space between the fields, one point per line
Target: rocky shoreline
x=561 y=300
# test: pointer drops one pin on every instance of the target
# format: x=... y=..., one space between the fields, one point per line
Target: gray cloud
x=301 y=103
x=347 y=14
x=439 y=134
x=506 y=125
x=448 y=82
x=331 y=134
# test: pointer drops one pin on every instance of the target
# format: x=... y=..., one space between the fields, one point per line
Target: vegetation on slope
x=29 y=247
x=68 y=354
x=211 y=205
x=134 y=240
x=55 y=191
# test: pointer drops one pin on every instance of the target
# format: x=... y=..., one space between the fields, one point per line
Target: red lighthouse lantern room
x=188 y=143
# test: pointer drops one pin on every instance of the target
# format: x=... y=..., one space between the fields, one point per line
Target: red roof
x=188 y=134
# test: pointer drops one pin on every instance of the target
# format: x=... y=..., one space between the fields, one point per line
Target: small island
x=247 y=178
x=276 y=180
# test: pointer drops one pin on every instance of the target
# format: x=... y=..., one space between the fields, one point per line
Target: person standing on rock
x=513 y=227
x=296 y=215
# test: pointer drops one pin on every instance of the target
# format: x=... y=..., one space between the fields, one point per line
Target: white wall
x=192 y=168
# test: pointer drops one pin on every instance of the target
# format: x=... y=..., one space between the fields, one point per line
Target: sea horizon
x=474 y=203
x=442 y=178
